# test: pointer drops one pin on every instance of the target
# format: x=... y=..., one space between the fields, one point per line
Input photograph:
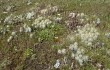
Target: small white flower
x=71 y=46
x=29 y=2
x=41 y=22
x=42 y=26
x=99 y=65
x=30 y=15
x=72 y=55
x=77 y=57
x=78 y=52
x=89 y=44
x=7 y=26
x=85 y=58
x=21 y=29
x=59 y=51
x=80 y=56
x=8 y=19
x=108 y=52
x=31 y=35
x=107 y=35
x=28 y=29
x=58 y=19
x=9 y=39
x=82 y=50
x=20 y=17
x=78 y=15
x=80 y=62
x=75 y=43
x=44 y=11
x=81 y=20
x=72 y=15
x=63 y=51
x=57 y=64
x=13 y=33
x=98 y=21
x=59 y=14
x=8 y=8
x=82 y=14
x=75 y=46
x=54 y=9
x=65 y=60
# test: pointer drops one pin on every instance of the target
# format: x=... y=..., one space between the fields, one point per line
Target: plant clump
x=41 y=22
x=88 y=34
x=78 y=54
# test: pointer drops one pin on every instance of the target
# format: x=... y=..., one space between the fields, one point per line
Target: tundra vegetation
x=54 y=35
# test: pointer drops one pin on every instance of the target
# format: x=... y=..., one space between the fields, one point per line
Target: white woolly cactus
x=78 y=54
x=30 y=15
x=88 y=34
x=41 y=22
x=9 y=19
x=26 y=28
x=49 y=10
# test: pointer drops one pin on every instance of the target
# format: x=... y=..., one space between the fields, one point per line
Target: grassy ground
x=24 y=53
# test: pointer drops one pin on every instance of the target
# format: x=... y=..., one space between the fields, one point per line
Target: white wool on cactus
x=72 y=15
x=13 y=33
x=88 y=34
x=73 y=46
x=41 y=22
x=30 y=15
x=8 y=19
x=57 y=64
x=78 y=53
x=62 y=51
x=27 y=28
x=10 y=38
